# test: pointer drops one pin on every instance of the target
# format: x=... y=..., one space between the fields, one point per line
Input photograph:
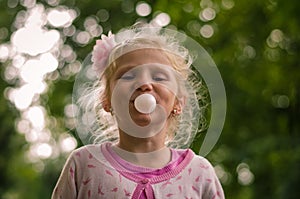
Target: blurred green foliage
x=262 y=83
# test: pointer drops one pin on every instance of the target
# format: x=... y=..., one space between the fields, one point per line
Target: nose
x=145 y=87
x=143 y=81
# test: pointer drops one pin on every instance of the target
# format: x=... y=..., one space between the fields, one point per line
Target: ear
x=106 y=105
x=179 y=104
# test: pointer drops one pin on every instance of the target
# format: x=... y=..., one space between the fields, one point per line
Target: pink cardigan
x=94 y=171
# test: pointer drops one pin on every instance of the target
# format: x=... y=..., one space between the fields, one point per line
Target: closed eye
x=124 y=73
x=127 y=77
x=160 y=77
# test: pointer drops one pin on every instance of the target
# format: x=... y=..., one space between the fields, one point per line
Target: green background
x=262 y=81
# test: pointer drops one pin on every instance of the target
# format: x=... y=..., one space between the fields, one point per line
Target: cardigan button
x=145 y=181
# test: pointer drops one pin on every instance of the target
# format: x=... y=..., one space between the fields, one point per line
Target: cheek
x=167 y=98
x=116 y=92
x=122 y=92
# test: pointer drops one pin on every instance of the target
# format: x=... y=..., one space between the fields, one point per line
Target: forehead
x=143 y=56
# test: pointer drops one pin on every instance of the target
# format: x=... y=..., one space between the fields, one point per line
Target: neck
x=141 y=145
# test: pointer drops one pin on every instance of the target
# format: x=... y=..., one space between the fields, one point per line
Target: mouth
x=134 y=96
x=141 y=119
x=143 y=103
x=132 y=108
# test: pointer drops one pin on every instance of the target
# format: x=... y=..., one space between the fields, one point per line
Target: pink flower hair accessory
x=101 y=52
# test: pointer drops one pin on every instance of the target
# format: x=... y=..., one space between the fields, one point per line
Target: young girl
x=146 y=110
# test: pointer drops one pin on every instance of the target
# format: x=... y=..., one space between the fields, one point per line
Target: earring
x=174 y=112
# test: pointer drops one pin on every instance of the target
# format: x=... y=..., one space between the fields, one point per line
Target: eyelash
x=131 y=77
x=127 y=77
x=159 y=78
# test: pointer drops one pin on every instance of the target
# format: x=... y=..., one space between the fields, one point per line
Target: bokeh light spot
x=207 y=14
x=228 y=4
x=245 y=176
x=127 y=6
x=4 y=52
x=143 y=9
x=207 y=31
x=36 y=116
x=275 y=38
x=61 y=18
x=249 y=52
x=71 y=110
x=67 y=143
x=91 y=26
x=53 y=2
x=222 y=174
x=162 y=19
x=276 y=35
x=103 y=15
x=44 y=150
x=69 y=31
x=23 y=126
x=82 y=37
x=34 y=40
x=3 y=33
x=280 y=101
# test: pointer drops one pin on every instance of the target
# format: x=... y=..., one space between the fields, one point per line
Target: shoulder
x=203 y=165
x=192 y=161
x=195 y=159
x=201 y=160
x=85 y=149
x=86 y=153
